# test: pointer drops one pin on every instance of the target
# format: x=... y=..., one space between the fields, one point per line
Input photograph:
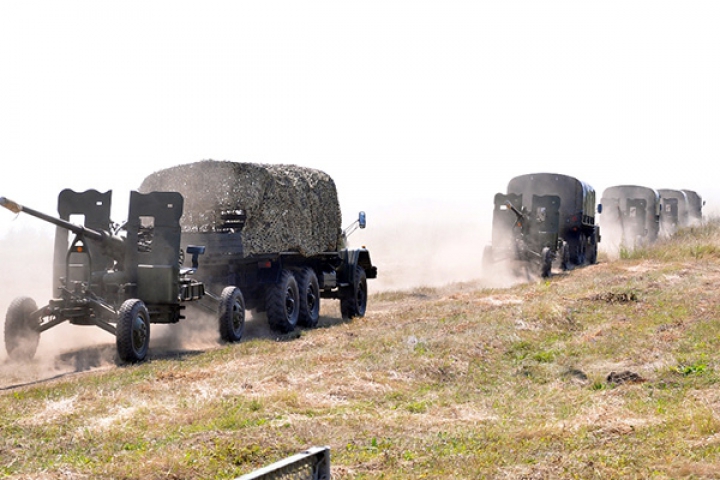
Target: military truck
x=273 y=232
x=120 y=278
x=630 y=215
x=674 y=212
x=544 y=219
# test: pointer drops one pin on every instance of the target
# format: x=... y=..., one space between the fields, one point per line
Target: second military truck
x=274 y=232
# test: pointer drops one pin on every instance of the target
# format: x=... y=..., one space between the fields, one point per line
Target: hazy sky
x=409 y=105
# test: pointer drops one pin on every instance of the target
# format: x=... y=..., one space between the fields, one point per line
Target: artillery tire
x=354 y=302
x=21 y=334
x=133 y=331
x=282 y=303
x=309 y=290
x=231 y=315
x=546 y=257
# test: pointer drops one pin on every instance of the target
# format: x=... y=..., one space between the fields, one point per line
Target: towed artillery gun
x=529 y=237
x=119 y=279
x=542 y=220
x=695 y=206
x=630 y=215
x=674 y=210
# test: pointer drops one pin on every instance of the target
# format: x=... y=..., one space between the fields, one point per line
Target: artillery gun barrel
x=114 y=245
x=517 y=212
x=76 y=229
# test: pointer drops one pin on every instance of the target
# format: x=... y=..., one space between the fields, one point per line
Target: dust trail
x=418 y=246
x=422 y=247
x=26 y=256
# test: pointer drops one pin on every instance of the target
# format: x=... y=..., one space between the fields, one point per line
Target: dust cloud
x=418 y=247
x=413 y=247
x=612 y=242
x=27 y=270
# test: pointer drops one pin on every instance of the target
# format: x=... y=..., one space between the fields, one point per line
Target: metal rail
x=312 y=464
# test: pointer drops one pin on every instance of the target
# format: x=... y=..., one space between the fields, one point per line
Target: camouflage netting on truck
x=288 y=208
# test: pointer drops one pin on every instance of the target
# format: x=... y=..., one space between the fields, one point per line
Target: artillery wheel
x=309 y=290
x=546 y=257
x=282 y=303
x=21 y=334
x=231 y=314
x=133 y=331
x=354 y=302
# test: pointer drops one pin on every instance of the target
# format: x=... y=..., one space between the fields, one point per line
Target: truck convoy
x=273 y=242
x=544 y=219
x=634 y=215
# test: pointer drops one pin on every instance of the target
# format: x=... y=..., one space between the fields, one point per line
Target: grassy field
x=609 y=371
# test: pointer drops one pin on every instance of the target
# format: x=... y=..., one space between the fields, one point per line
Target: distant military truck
x=674 y=210
x=544 y=219
x=630 y=215
x=695 y=205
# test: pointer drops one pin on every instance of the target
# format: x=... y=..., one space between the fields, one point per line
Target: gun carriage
x=544 y=219
x=120 y=278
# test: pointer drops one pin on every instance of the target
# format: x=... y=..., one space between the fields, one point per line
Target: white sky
x=409 y=105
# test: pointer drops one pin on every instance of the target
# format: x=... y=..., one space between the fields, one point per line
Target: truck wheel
x=546 y=257
x=309 y=297
x=592 y=250
x=354 y=303
x=231 y=314
x=577 y=250
x=582 y=248
x=21 y=335
x=282 y=303
x=133 y=331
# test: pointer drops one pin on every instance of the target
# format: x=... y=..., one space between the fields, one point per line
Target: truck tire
x=282 y=303
x=582 y=250
x=21 y=334
x=231 y=315
x=593 y=249
x=309 y=290
x=354 y=302
x=133 y=331
x=577 y=250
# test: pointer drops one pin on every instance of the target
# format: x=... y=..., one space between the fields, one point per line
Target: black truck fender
x=351 y=259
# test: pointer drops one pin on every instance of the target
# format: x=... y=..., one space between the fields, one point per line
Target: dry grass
x=610 y=371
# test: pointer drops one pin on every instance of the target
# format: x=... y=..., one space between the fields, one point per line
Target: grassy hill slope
x=607 y=371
